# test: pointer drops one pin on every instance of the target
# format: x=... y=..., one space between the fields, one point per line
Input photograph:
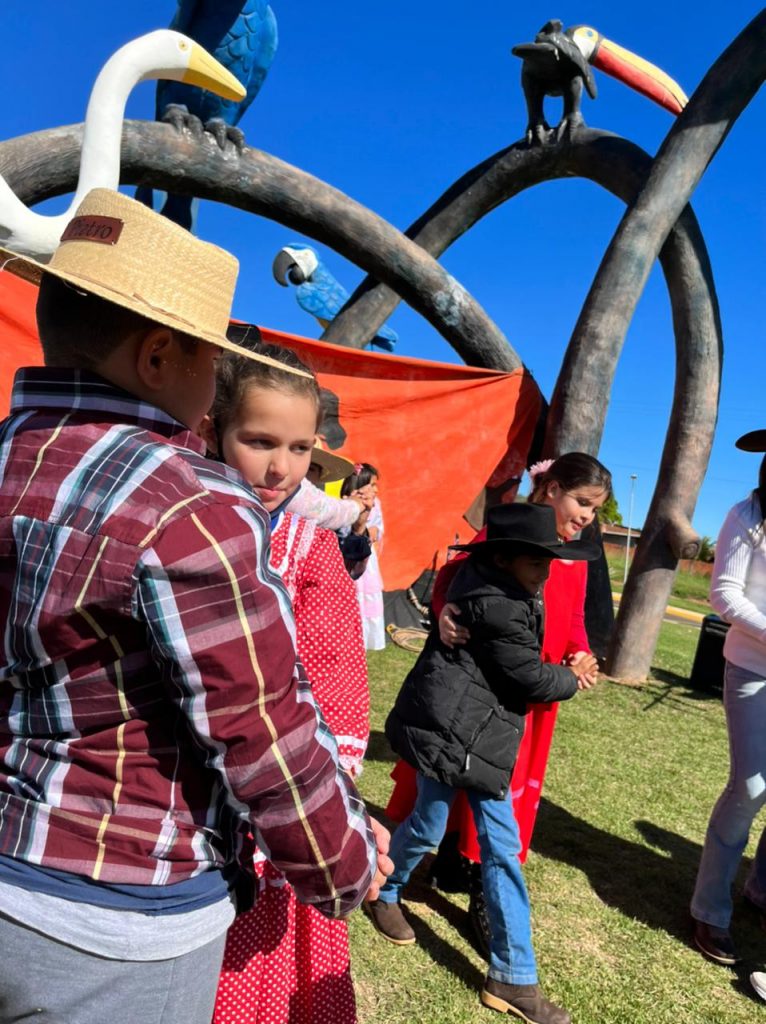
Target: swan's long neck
x=36 y=234
x=160 y=54
x=100 y=162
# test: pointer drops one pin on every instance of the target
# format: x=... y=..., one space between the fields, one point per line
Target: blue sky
x=393 y=102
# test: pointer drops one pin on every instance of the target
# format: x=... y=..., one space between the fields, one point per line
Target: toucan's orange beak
x=639 y=74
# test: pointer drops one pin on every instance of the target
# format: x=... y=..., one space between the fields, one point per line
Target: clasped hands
x=582 y=663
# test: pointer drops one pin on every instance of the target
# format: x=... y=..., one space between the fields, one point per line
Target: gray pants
x=44 y=981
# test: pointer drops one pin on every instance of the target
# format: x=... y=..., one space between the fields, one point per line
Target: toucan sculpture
x=241 y=35
x=317 y=291
x=161 y=54
x=558 y=63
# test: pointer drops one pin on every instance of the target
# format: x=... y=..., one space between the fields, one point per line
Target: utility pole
x=633 y=477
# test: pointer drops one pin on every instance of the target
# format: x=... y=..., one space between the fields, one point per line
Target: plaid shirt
x=150 y=699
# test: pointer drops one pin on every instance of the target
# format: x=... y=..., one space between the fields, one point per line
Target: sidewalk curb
x=681 y=613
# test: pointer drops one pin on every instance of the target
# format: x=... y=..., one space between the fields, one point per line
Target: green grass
x=689 y=590
x=633 y=775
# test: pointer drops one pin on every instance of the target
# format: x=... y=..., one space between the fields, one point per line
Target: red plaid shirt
x=150 y=700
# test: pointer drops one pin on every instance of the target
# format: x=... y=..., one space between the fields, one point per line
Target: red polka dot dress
x=284 y=962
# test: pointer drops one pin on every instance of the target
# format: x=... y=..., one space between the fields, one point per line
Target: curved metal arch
x=46 y=164
x=624 y=169
x=644 y=232
x=289 y=196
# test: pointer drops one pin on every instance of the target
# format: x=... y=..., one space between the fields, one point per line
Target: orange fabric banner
x=435 y=431
x=19 y=344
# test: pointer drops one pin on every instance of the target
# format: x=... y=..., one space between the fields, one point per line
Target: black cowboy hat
x=755 y=441
x=531 y=529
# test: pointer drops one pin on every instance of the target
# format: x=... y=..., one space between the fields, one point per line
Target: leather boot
x=715 y=943
x=449 y=871
x=390 y=922
x=524 y=1001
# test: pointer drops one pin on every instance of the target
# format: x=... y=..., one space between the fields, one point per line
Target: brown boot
x=715 y=943
x=390 y=922
x=524 y=1001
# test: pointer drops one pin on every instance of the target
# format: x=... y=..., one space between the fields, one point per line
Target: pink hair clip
x=538 y=468
x=358 y=467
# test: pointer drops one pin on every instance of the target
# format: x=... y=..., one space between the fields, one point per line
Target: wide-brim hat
x=124 y=252
x=334 y=467
x=529 y=528
x=754 y=441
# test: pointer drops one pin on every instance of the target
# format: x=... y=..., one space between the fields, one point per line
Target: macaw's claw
x=177 y=114
x=223 y=133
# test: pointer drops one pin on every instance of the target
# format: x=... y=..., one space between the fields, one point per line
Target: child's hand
x=451 y=632
x=586 y=682
x=585 y=667
x=355 y=501
x=360 y=524
x=365 y=495
x=385 y=864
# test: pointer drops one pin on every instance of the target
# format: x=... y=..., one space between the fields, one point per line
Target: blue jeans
x=744 y=700
x=512 y=958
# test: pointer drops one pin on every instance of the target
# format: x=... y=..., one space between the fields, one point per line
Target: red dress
x=284 y=962
x=564 y=634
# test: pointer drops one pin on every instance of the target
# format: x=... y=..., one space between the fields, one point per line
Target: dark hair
x=570 y=471
x=235 y=374
x=80 y=330
x=360 y=479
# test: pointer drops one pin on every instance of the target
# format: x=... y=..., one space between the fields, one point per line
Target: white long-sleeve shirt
x=738 y=585
x=311 y=502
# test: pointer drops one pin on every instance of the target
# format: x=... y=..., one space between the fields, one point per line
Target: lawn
x=690 y=590
x=633 y=775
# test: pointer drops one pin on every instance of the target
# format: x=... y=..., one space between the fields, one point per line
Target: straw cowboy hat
x=529 y=529
x=334 y=467
x=126 y=253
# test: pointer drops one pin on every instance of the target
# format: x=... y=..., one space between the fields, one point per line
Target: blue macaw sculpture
x=242 y=35
x=317 y=291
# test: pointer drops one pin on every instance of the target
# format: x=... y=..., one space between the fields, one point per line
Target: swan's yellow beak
x=205 y=72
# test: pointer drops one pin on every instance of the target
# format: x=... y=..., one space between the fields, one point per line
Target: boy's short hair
x=79 y=330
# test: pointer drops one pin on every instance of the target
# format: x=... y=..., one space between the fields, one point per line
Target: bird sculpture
x=317 y=291
x=160 y=54
x=558 y=63
x=241 y=35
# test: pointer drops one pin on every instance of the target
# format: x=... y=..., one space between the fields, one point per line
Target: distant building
x=616 y=540
x=616 y=537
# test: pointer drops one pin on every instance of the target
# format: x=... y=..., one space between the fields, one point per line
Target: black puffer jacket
x=460 y=713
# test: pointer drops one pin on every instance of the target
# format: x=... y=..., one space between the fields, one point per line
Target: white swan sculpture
x=161 y=54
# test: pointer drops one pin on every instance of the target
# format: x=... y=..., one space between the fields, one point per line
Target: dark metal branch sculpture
x=591 y=358
x=606 y=159
x=623 y=168
x=46 y=163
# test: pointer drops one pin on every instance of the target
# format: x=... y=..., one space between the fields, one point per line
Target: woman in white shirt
x=738 y=595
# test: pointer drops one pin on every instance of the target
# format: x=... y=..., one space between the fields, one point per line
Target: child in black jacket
x=458 y=720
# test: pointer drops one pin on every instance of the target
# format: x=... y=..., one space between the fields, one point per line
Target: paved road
x=680 y=616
